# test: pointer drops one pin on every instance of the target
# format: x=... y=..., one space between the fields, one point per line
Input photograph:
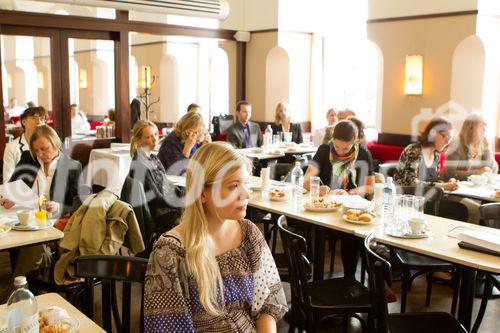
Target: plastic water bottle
x=268 y=137
x=388 y=192
x=297 y=186
x=22 y=309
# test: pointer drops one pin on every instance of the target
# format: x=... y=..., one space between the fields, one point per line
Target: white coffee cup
x=478 y=180
x=417 y=225
x=25 y=216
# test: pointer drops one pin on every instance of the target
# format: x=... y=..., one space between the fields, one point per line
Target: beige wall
x=257 y=50
x=398 y=8
x=436 y=39
x=230 y=48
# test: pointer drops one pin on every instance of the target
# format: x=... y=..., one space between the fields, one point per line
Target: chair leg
x=345 y=324
x=429 y=288
x=488 y=289
x=404 y=288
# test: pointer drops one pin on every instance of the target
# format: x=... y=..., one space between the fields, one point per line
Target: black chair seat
x=342 y=293
x=418 y=261
x=428 y=322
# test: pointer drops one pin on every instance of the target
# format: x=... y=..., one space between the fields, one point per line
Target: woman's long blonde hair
x=137 y=131
x=467 y=130
x=189 y=122
x=279 y=107
x=204 y=170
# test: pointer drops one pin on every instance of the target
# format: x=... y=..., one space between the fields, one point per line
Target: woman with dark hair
x=346 y=167
x=30 y=119
x=361 y=131
x=419 y=162
x=342 y=164
x=135 y=111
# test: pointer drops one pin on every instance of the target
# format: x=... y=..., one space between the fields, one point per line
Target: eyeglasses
x=445 y=136
x=37 y=117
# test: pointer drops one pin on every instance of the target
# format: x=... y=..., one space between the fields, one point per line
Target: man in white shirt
x=13 y=109
x=79 y=123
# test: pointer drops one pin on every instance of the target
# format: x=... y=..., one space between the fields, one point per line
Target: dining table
x=488 y=192
x=83 y=323
x=441 y=242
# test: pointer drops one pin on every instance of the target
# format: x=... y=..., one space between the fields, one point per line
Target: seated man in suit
x=244 y=133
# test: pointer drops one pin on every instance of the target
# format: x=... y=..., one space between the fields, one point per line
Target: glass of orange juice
x=41 y=217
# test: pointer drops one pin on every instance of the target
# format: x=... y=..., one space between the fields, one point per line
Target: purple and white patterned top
x=251 y=286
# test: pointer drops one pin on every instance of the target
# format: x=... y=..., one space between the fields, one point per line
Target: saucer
x=409 y=235
x=31 y=227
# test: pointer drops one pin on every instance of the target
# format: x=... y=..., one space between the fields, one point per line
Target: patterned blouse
x=251 y=286
x=411 y=168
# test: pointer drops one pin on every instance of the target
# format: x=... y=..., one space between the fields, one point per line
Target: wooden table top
x=257 y=153
x=46 y=300
x=440 y=245
x=15 y=238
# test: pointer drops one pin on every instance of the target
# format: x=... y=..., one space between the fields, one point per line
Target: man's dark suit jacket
x=66 y=181
x=236 y=137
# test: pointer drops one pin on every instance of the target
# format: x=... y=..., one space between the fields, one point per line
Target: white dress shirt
x=12 y=155
x=79 y=124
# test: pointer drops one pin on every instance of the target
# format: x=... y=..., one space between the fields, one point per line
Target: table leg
x=466 y=296
x=319 y=253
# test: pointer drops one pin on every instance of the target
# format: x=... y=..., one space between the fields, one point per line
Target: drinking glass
x=398 y=207
x=419 y=205
x=276 y=140
x=314 y=184
x=41 y=217
x=288 y=137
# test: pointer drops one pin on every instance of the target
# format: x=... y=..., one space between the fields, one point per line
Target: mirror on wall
x=26 y=74
x=92 y=88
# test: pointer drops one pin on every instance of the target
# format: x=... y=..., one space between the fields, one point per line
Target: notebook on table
x=482 y=241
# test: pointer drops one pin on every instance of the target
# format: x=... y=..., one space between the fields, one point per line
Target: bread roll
x=365 y=217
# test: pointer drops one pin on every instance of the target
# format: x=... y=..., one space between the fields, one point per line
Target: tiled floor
x=441 y=300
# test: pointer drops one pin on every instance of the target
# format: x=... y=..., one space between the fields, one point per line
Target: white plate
x=425 y=234
x=278 y=199
x=344 y=217
x=75 y=325
x=31 y=227
x=321 y=210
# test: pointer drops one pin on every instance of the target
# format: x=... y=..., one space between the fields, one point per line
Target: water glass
x=288 y=137
x=419 y=205
x=397 y=213
x=314 y=184
x=276 y=140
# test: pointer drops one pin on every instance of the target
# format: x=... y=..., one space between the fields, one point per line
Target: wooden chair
x=314 y=302
x=380 y=276
x=489 y=217
x=409 y=261
x=110 y=269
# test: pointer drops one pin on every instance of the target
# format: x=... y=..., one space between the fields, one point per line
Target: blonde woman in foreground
x=214 y=272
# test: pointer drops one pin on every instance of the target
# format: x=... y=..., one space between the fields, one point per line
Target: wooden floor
x=441 y=299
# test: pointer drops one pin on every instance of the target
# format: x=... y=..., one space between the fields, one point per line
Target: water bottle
x=268 y=137
x=388 y=192
x=297 y=186
x=22 y=309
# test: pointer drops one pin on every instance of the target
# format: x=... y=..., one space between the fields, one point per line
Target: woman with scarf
x=346 y=168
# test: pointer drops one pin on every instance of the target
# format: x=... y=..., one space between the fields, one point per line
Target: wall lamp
x=413 y=74
x=83 y=83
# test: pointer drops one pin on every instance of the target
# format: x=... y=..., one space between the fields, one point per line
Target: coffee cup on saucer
x=25 y=216
x=478 y=180
x=417 y=226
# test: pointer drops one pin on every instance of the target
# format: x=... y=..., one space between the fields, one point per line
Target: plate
x=74 y=325
x=408 y=235
x=278 y=199
x=321 y=210
x=31 y=227
x=344 y=217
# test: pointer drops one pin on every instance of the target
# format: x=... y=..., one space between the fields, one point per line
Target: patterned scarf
x=343 y=166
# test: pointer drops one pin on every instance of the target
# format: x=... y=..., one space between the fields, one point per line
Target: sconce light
x=40 y=83
x=83 y=79
x=413 y=74
x=9 y=81
x=146 y=78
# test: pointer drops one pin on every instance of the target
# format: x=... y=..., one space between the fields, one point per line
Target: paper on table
x=19 y=193
x=490 y=240
x=351 y=200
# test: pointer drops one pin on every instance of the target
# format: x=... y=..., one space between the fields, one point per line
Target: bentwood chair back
x=379 y=275
x=111 y=269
